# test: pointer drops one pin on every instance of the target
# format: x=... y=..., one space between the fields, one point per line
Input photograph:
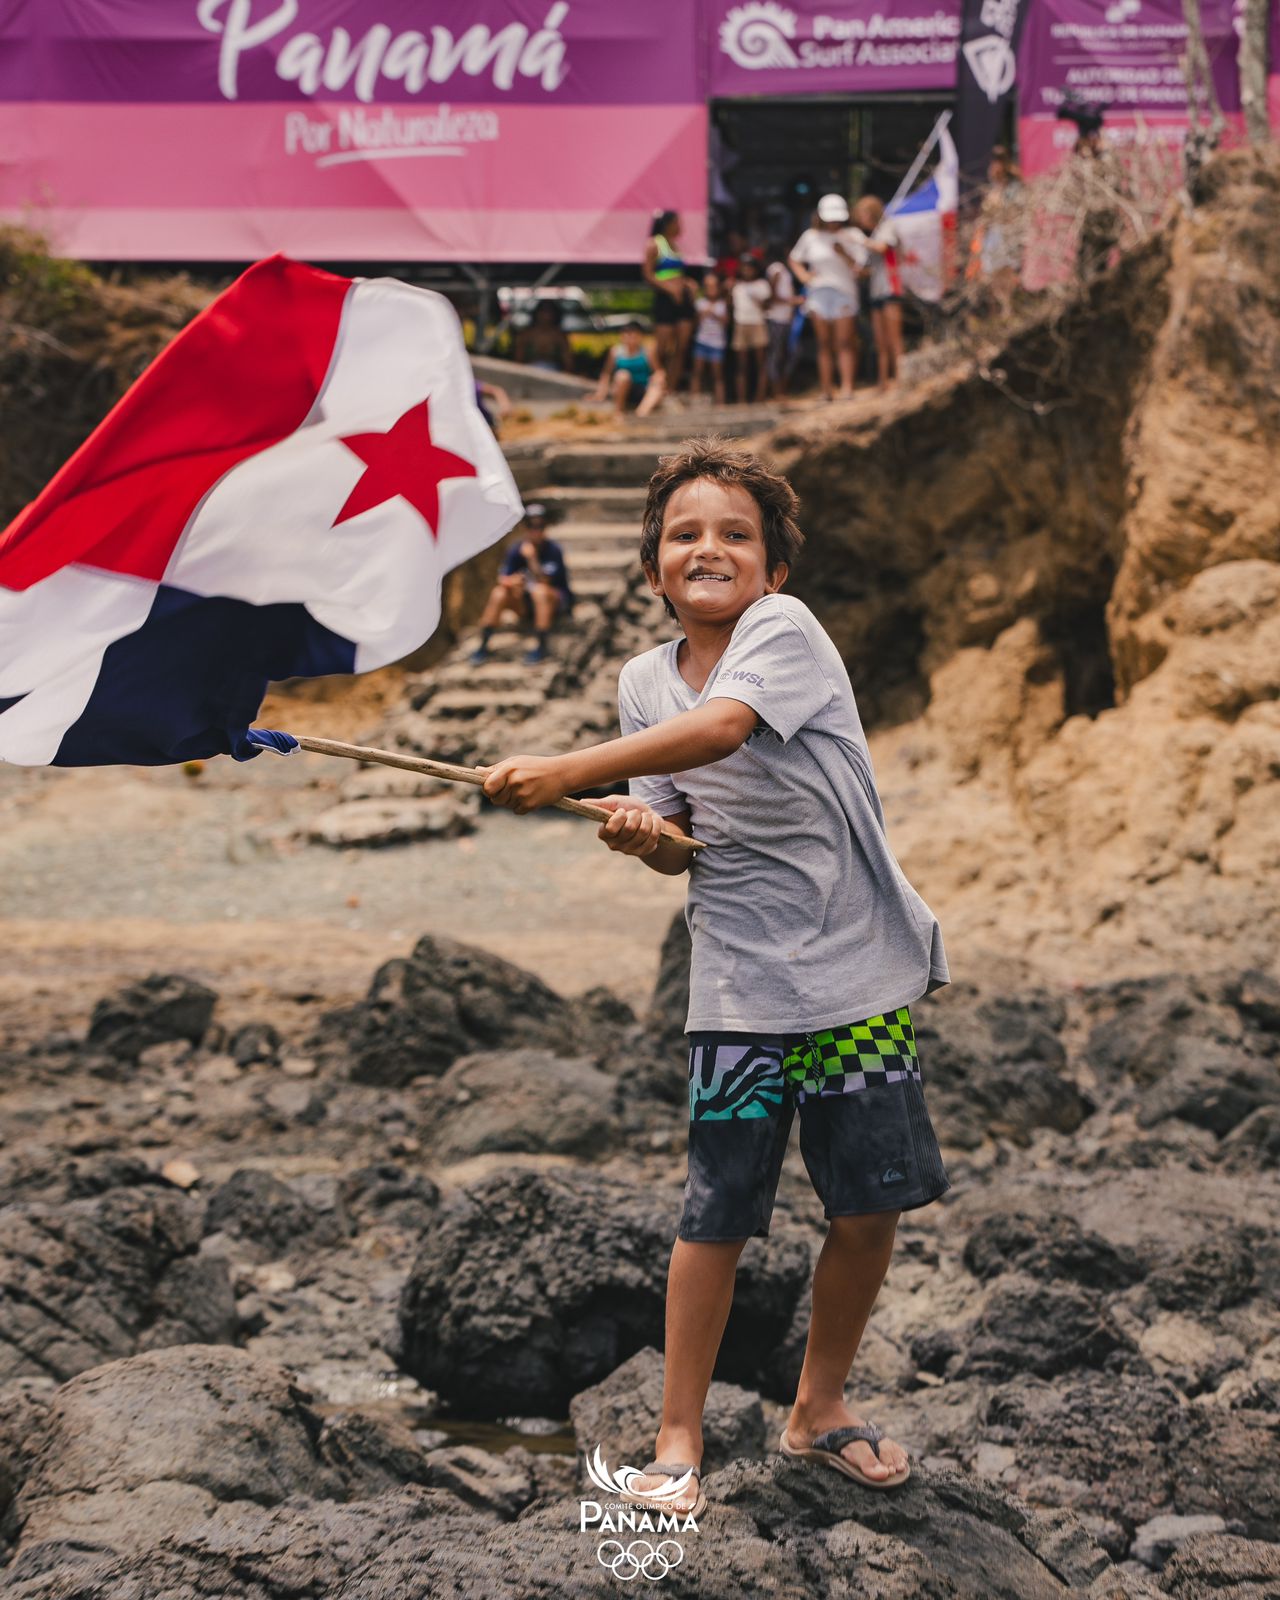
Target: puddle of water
x=437 y=1426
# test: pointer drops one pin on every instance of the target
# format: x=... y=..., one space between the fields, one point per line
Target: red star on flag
x=403 y=461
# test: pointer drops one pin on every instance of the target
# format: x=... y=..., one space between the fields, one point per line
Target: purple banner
x=805 y=47
x=540 y=52
x=1120 y=55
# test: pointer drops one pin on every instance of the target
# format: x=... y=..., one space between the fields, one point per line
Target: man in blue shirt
x=534 y=579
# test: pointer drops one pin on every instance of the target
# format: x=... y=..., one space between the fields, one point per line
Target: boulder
x=620 y=1417
x=1049 y=1246
x=387 y=1193
x=444 y=1001
x=1256 y=995
x=144 y=1448
x=523 y=1100
x=532 y=1286
x=1138 y=1025
x=1222 y=1566
x=102 y=1278
x=255 y=1042
x=157 y=1010
x=1027 y=1326
x=501 y=1484
x=1254 y=1144
x=1216 y=1271
x=994 y=1064
x=260 y=1210
x=670 y=1003
x=1211 y=1086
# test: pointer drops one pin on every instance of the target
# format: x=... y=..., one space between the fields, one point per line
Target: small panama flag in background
x=279 y=495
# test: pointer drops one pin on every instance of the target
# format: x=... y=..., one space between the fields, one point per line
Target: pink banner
x=352 y=130
x=475 y=183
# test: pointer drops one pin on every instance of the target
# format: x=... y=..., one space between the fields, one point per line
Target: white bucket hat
x=833 y=208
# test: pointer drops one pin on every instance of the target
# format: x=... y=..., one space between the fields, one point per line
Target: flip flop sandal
x=673 y=1470
x=827 y=1447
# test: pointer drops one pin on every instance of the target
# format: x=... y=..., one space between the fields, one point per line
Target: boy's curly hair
x=722 y=462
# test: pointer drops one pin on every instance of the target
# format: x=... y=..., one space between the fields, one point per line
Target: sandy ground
x=108 y=874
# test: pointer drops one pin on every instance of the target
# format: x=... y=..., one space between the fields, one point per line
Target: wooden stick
x=454 y=774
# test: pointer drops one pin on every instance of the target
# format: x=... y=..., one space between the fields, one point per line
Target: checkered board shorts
x=865 y=1134
x=838 y=1060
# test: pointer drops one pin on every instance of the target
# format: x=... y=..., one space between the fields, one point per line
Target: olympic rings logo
x=626 y=1564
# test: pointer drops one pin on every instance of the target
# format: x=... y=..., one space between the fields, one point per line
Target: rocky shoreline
x=278 y=1307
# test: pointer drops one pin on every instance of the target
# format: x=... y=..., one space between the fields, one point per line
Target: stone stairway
x=458 y=711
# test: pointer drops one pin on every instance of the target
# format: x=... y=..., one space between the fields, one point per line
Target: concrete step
x=464 y=703
x=604 y=558
x=698 y=418
x=577 y=537
x=589 y=465
x=608 y=504
x=504 y=671
x=593 y=586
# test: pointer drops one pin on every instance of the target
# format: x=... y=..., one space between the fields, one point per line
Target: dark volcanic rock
x=1211 y=1086
x=444 y=1001
x=1042 y=1328
x=144 y=1447
x=1138 y=1025
x=995 y=1064
x=1256 y=995
x=163 y=1007
x=621 y=1417
x=260 y=1209
x=387 y=1193
x=1255 y=1142
x=1213 y=1273
x=100 y=1278
x=1049 y=1246
x=772 y=1530
x=256 y=1041
x=532 y=1286
x=523 y=1100
x=670 y=1003
x=1227 y=1568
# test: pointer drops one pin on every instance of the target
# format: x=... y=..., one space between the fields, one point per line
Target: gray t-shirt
x=800 y=916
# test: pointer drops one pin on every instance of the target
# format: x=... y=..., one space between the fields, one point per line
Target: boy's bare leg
x=851 y=1268
x=653 y=394
x=699 y=1295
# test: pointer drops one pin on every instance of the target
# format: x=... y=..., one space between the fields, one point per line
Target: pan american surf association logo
x=640 y=1543
x=761 y=35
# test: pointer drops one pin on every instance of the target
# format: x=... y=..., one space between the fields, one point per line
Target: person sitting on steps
x=534 y=579
x=631 y=375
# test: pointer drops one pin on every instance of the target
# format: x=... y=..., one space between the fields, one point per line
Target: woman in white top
x=827 y=259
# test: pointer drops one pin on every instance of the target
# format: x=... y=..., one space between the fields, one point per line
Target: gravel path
x=106 y=874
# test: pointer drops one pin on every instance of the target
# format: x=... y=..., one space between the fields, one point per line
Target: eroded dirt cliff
x=1055 y=575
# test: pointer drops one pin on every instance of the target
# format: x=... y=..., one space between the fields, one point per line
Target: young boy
x=808 y=942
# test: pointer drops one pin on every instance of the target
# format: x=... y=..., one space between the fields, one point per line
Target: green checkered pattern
x=854 y=1056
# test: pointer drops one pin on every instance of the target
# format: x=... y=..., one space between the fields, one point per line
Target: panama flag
x=926 y=224
x=279 y=495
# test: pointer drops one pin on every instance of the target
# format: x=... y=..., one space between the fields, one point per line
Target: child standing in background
x=712 y=336
x=884 y=290
x=751 y=294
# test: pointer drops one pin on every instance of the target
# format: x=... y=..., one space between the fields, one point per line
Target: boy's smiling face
x=712 y=561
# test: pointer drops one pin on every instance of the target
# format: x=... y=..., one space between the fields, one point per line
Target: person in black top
x=534 y=579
